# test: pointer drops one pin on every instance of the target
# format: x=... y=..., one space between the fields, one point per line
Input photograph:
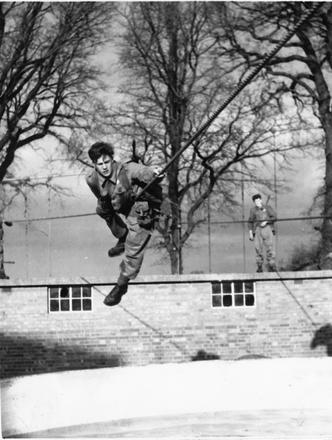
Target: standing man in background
x=261 y=231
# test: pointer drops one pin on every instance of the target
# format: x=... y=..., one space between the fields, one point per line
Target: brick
x=180 y=323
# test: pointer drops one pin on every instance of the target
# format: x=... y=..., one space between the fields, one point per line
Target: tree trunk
x=175 y=246
x=2 y=266
x=175 y=251
x=176 y=111
x=326 y=119
x=326 y=249
x=2 y=262
x=324 y=107
x=174 y=257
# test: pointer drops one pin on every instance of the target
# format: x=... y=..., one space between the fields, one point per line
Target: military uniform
x=263 y=234
x=115 y=196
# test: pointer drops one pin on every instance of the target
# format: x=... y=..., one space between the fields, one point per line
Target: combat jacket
x=258 y=215
x=124 y=182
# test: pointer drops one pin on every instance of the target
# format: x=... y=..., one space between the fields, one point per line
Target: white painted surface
x=48 y=401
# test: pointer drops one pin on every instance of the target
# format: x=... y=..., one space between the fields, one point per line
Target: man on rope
x=261 y=231
x=115 y=185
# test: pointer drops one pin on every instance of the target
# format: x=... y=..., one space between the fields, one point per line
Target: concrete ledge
x=74 y=398
x=171 y=279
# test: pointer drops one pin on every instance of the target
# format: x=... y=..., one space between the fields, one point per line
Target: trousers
x=113 y=220
x=136 y=241
x=264 y=241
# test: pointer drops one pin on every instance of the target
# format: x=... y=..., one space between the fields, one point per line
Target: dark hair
x=98 y=149
x=256 y=196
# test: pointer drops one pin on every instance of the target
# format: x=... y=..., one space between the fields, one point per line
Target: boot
x=115 y=295
x=259 y=268
x=272 y=268
x=119 y=248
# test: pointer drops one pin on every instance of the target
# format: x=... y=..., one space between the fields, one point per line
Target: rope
x=141 y=321
x=178 y=347
x=314 y=324
x=238 y=89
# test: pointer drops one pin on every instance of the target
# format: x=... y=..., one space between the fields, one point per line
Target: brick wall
x=164 y=319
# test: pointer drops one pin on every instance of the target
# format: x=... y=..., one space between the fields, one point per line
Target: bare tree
x=49 y=85
x=300 y=73
x=177 y=77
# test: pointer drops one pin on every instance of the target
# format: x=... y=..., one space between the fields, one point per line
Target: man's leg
x=269 y=247
x=136 y=242
x=115 y=224
x=258 y=242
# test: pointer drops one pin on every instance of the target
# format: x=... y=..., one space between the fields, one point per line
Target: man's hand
x=251 y=236
x=156 y=172
x=263 y=224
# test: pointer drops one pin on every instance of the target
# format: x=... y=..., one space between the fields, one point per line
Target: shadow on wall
x=202 y=355
x=323 y=336
x=21 y=356
x=252 y=356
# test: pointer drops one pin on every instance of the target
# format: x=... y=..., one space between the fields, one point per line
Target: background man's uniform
x=114 y=195
x=261 y=222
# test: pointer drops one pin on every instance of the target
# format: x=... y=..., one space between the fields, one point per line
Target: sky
x=78 y=247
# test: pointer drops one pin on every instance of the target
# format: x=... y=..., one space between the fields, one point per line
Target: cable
x=285 y=219
x=32 y=179
x=238 y=89
x=221 y=222
x=60 y=217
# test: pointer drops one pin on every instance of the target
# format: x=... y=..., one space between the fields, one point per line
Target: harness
x=124 y=198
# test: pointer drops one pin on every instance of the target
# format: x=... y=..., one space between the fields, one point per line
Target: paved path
x=269 y=424
x=265 y=398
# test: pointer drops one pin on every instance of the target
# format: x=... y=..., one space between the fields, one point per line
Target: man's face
x=104 y=165
x=258 y=203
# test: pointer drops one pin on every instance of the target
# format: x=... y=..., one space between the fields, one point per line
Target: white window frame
x=232 y=294
x=70 y=298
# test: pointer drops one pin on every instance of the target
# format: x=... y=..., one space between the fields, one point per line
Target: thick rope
x=238 y=89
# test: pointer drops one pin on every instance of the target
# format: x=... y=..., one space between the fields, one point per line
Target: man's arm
x=272 y=217
x=141 y=175
x=91 y=180
x=138 y=173
x=251 y=221
x=271 y=213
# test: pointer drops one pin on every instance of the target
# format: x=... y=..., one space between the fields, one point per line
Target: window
x=233 y=293
x=69 y=299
